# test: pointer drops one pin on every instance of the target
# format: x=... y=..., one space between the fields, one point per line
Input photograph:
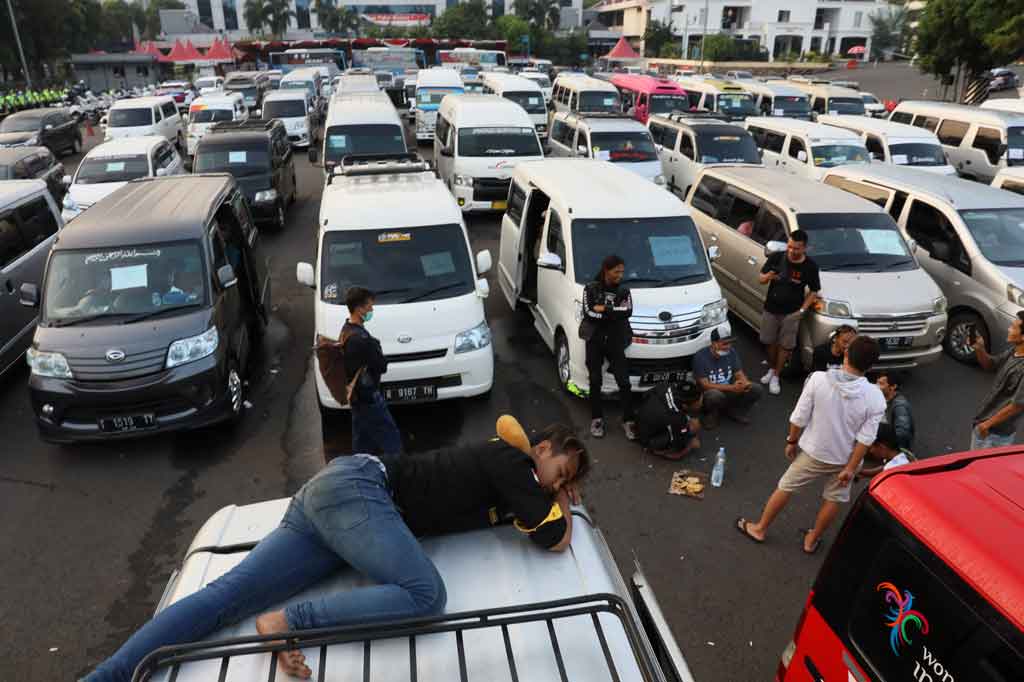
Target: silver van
x=869 y=276
x=29 y=220
x=971 y=240
x=979 y=142
x=555 y=615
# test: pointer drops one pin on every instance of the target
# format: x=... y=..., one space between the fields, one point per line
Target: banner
x=402 y=20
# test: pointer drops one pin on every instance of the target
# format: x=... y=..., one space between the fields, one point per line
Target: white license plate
x=897 y=341
x=658 y=377
x=402 y=394
x=128 y=422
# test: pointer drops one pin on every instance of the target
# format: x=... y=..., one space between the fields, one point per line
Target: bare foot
x=292 y=662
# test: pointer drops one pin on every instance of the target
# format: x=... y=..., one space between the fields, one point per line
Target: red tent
x=178 y=53
x=622 y=50
x=220 y=52
x=192 y=54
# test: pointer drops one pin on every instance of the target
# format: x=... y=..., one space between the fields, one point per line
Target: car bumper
x=185 y=397
x=926 y=342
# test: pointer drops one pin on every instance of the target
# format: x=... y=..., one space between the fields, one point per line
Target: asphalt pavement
x=92 y=533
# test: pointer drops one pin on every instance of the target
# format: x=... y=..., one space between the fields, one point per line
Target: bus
x=463 y=57
x=298 y=58
x=925 y=580
x=646 y=95
x=395 y=60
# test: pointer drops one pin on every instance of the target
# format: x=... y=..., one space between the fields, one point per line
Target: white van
x=1013 y=105
x=978 y=142
x=479 y=140
x=144 y=116
x=431 y=87
x=577 y=93
x=896 y=143
x=778 y=99
x=829 y=99
x=804 y=148
x=620 y=139
x=1010 y=179
x=524 y=92
x=390 y=226
x=541 y=79
x=722 y=97
x=308 y=79
x=566 y=215
x=210 y=109
x=211 y=82
x=687 y=144
x=361 y=124
x=349 y=83
x=294 y=108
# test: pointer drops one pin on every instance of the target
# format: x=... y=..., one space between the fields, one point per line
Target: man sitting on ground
x=886 y=449
x=719 y=372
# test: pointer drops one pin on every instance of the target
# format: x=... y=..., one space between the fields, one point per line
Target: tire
x=281 y=219
x=235 y=393
x=563 y=364
x=955 y=342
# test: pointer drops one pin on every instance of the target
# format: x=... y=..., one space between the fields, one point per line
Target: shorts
x=780 y=329
x=804 y=470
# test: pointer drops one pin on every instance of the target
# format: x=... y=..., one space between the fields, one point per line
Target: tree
x=544 y=14
x=888 y=27
x=348 y=21
x=327 y=15
x=467 y=19
x=513 y=29
x=252 y=14
x=719 y=48
x=277 y=14
x=657 y=35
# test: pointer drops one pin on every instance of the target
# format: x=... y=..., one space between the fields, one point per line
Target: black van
x=251 y=84
x=54 y=129
x=25 y=163
x=260 y=157
x=148 y=309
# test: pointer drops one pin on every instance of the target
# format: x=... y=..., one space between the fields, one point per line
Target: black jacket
x=362 y=350
x=612 y=325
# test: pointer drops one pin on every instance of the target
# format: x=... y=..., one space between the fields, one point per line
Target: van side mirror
x=49 y=126
x=226 y=276
x=801 y=156
x=161 y=172
x=940 y=251
x=258 y=113
x=550 y=261
x=912 y=245
x=447 y=151
x=581 y=149
x=774 y=247
x=483 y=262
x=312 y=154
x=29 y=295
x=305 y=275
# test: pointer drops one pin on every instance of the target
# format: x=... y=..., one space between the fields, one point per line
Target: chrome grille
x=134 y=365
x=652 y=330
x=887 y=326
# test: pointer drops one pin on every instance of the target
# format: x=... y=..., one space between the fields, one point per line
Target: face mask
x=368 y=316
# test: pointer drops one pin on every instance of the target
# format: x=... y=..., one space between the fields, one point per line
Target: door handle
x=751 y=260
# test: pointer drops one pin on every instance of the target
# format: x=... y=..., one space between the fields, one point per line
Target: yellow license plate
x=499 y=205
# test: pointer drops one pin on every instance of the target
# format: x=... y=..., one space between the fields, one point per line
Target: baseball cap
x=717 y=335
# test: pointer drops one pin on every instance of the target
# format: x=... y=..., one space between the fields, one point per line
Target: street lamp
x=17 y=39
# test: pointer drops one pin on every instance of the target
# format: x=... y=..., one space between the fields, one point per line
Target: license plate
x=897 y=341
x=499 y=205
x=658 y=377
x=128 y=422
x=403 y=394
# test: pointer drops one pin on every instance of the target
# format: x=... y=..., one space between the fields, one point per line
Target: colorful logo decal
x=900 y=616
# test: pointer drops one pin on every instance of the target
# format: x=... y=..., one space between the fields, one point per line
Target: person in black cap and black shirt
x=719 y=371
x=607 y=307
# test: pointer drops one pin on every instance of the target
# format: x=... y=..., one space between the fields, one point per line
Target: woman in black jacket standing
x=607 y=307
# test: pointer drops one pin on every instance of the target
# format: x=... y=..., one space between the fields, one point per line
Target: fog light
x=462 y=202
x=48 y=410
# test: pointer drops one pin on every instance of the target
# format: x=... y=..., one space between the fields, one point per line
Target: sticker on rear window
x=236 y=157
x=899 y=159
x=778 y=112
x=609 y=101
x=388 y=237
x=1016 y=153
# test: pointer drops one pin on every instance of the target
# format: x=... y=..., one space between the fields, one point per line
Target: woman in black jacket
x=607 y=307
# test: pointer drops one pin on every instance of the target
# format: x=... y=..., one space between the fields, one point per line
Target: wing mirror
x=550 y=261
x=581 y=149
x=161 y=172
x=774 y=247
x=483 y=262
x=226 y=276
x=29 y=295
x=305 y=275
x=66 y=181
x=801 y=156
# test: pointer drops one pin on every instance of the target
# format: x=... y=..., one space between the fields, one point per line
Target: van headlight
x=473 y=339
x=714 y=313
x=47 y=364
x=193 y=348
x=659 y=179
x=266 y=196
x=833 y=308
x=1015 y=294
x=940 y=304
x=464 y=180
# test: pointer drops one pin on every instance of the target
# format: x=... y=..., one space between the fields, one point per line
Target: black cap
x=716 y=335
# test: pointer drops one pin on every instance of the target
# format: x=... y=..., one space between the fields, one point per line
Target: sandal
x=803 y=544
x=741 y=528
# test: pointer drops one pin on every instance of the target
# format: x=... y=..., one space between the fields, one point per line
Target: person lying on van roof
x=365 y=513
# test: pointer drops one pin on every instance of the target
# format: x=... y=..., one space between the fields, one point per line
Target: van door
x=687 y=166
x=512 y=256
x=554 y=299
x=561 y=139
x=791 y=162
x=982 y=159
x=741 y=255
x=444 y=150
x=771 y=144
x=255 y=260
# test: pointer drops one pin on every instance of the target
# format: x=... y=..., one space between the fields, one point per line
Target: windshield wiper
x=428 y=292
x=384 y=292
x=682 y=278
x=159 y=311
x=898 y=263
x=640 y=279
x=851 y=264
x=71 y=321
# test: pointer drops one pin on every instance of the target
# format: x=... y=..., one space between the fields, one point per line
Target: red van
x=646 y=95
x=925 y=582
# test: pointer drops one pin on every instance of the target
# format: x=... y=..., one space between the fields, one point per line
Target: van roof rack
x=252 y=124
x=357 y=165
x=695 y=116
x=601 y=114
x=421 y=634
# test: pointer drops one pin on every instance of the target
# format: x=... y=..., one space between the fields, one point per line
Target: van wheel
x=562 y=361
x=235 y=392
x=957 y=341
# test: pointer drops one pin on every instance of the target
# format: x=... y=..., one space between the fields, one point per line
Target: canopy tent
x=622 y=51
x=220 y=51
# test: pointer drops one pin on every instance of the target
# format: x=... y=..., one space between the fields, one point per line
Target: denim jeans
x=343 y=517
x=373 y=428
x=992 y=440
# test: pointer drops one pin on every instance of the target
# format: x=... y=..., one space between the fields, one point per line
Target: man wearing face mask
x=719 y=371
x=373 y=428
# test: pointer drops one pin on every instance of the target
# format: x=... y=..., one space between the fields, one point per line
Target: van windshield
x=533 y=102
x=666 y=104
x=398 y=265
x=498 y=142
x=623 y=147
x=211 y=115
x=341 y=141
x=248 y=92
x=856 y=242
x=790 y=105
x=284 y=108
x=112 y=169
x=846 y=105
x=127 y=118
x=737 y=104
x=239 y=161
x=596 y=102
x=432 y=98
x=999 y=233
x=206 y=83
x=658 y=251
x=1015 y=146
x=727 y=148
x=832 y=155
x=917 y=154
x=136 y=280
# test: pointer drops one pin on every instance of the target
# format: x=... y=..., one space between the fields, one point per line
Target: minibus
x=646 y=95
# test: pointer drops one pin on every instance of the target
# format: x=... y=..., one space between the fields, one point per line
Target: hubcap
x=235 y=391
x=563 y=362
x=958 y=340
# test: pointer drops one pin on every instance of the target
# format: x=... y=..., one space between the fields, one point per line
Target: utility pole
x=17 y=38
x=703 y=36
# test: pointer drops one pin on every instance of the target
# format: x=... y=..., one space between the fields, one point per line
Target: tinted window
x=623 y=147
x=555 y=241
x=20 y=124
x=927 y=225
x=952 y=132
x=856 y=242
x=832 y=155
x=498 y=142
x=901 y=117
x=773 y=142
x=170 y=109
x=284 y=108
x=211 y=115
x=898 y=202
x=874 y=146
x=787 y=105
x=989 y=141
x=126 y=118
x=340 y=141
x=532 y=102
x=599 y=101
x=561 y=133
x=708 y=194
x=112 y=169
x=846 y=105
x=239 y=162
x=720 y=147
x=516 y=202
x=686 y=146
x=796 y=145
x=37 y=222
x=917 y=154
x=12 y=245
x=875 y=195
x=741 y=213
x=736 y=104
x=999 y=233
x=664 y=104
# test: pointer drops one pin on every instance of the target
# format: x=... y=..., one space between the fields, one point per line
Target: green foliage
x=888 y=30
x=657 y=36
x=252 y=15
x=670 y=51
x=467 y=19
x=276 y=15
x=543 y=14
x=512 y=29
x=719 y=48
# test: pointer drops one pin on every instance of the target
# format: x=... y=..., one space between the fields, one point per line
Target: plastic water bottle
x=718 y=473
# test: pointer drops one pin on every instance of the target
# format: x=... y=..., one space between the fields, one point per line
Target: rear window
x=287 y=108
x=211 y=115
x=239 y=161
x=126 y=118
x=341 y=141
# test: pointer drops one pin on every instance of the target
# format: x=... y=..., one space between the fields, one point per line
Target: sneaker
x=630 y=429
x=597 y=428
x=773 y=386
x=768 y=377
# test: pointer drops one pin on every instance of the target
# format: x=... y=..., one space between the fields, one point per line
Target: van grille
x=490 y=189
x=651 y=329
x=422 y=355
x=88 y=368
x=904 y=324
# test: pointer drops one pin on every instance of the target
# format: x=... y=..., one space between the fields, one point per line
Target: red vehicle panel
x=646 y=95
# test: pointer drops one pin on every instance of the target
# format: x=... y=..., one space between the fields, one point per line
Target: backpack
x=330 y=356
x=661 y=419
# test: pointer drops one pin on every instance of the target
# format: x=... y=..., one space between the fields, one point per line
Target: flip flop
x=741 y=528
x=803 y=536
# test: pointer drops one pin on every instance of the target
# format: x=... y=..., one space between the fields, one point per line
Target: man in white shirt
x=834 y=423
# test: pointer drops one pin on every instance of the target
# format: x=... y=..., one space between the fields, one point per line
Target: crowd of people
x=13 y=101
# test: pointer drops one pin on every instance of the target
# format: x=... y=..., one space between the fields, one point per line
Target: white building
x=824 y=26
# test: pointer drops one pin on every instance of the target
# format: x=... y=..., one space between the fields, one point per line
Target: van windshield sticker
x=115 y=167
x=331 y=291
x=500 y=131
x=602 y=154
x=389 y=237
x=779 y=112
x=128 y=277
x=1016 y=153
x=436 y=264
x=886 y=242
x=899 y=159
x=236 y=157
x=120 y=254
x=344 y=254
x=672 y=251
x=609 y=101
x=534 y=101
x=337 y=141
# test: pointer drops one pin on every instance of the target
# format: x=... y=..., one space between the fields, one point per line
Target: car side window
x=36 y=221
x=555 y=242
x=819 y=105
x=989 y=141
x=12 y=246
x=573 y=102
x=157 y=116
x=742 y=210
x=708 y=195
x=769 y=226
x=559 y=132
x=686 y=146
x=796 y=145
x=220 y=258
x=670 y=138
x=929 y=226
x=875 y=147
x=773 y=142
x=516 y=202
x=657 y=131
x=899 y=200
x=952 y=132
x=170 y=109
x=901 y=117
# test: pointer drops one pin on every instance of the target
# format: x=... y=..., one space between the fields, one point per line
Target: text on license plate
x=128 y=422
x=897 y=341
x=398 y=394
x=658 y=377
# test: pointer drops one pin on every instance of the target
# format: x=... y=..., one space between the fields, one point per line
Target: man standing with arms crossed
x=787 y=275
x=995 y=424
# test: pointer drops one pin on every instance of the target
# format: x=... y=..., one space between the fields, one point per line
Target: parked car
x=144 y=116
x=25 y=163
x=260 y=157
x=896 y=143
x=54 y=129
x=107 y=167
x=29 y=221
x=147 y=316
x=803 y=148
x=1003 y=79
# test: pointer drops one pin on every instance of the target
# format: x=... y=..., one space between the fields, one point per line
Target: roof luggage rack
x=418 y=633
x=252 y=124
x=600 y=114
x=684 y=116
x=356 y=165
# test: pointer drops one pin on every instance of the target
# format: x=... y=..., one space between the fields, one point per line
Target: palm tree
x=252 y=14
x=348 y=21
x=277 y=14
x=327 y=15
x=551 y=14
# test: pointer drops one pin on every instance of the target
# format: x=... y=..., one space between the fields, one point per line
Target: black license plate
x=128 y=422
x=405 y=394
x=658 y=377
x=895 y=342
